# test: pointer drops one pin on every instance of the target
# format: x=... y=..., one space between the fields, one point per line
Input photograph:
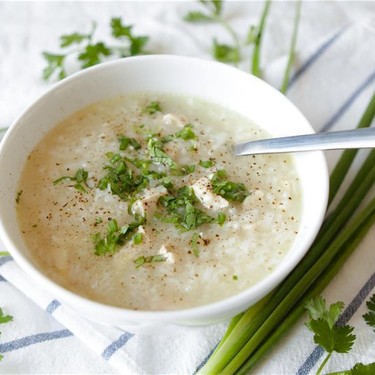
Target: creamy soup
x=139 y=202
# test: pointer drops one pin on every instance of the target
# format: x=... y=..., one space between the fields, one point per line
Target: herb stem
x=339 y=172
x=285 y=82
x=326 y=359
x=255 y=68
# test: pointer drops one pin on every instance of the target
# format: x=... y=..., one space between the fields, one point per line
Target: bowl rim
x=211 y=309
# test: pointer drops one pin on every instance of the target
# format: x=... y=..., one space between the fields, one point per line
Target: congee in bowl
x=139 y=202
x=121 y=195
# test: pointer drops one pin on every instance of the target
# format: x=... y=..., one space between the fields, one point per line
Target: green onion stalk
x=254 y=326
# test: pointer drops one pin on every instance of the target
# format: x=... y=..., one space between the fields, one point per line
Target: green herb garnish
x=182 y=210
x=80 y=179
x=221 y=217
x=121 y=179
x=158 y=155
x=125 y=142
x=206 y=163
x=152 y=108
x=116 y=236
x=142 y=260
x=137 y=238
x=229 y=190
x=186 y=133
x=194 y=244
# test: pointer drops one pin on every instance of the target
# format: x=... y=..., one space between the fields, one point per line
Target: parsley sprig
x=89 y=52
x=3 y=320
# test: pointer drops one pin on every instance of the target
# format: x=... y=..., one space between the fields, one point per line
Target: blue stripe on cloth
x=206 y=358
x=54 y=304
x=5 y=259
x=33 y=339
x=322 y=48
x=116 y=345
x=2 y=279
x=349 y=102
x=357 y=301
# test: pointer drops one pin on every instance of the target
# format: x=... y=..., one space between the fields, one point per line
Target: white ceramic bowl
x=217 y=82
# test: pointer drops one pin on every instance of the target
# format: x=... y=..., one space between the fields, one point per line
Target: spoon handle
x=357 y=138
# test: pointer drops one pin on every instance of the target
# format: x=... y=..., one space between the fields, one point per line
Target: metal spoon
x=357 y=138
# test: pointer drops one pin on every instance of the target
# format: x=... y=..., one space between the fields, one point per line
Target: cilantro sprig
x=89 y=52
x=142 y=260
x=3 y=320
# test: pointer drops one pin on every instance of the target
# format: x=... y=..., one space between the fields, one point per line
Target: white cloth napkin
x=334 y=78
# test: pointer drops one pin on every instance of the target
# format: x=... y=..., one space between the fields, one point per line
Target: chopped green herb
x=182 y=170
x=4 y=254
x=98 y=220
x=221 y=217
x=186 y=133
x=206 y=163
x=194 y=243
x=126 y=141
x=229 y=190
x=18 y=196
x=80 y=178
x=158 y=155
x=121 y=179
x=152 y=108
x=116 y=236
x=235 y=277
x=139 y=262
x=182 y=210
x=137 y=238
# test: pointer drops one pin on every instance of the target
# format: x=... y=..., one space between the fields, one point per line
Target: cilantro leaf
x=93 y=54
x=55 y=66
x=152 y=108
x=225 y=53
x=229 y=190
x=116 y=236
x=126 y=141
x=186 y=133
x=5 y=318
x=120 y=31
x=142 y=260
x=194 y=243
x=361 y=369
x=317 y=310
x=333 y=339
x=182 y=210
x=158 y=155
x=121 y=179
x=74 y=38
x=370 y=316
x=322 y=323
